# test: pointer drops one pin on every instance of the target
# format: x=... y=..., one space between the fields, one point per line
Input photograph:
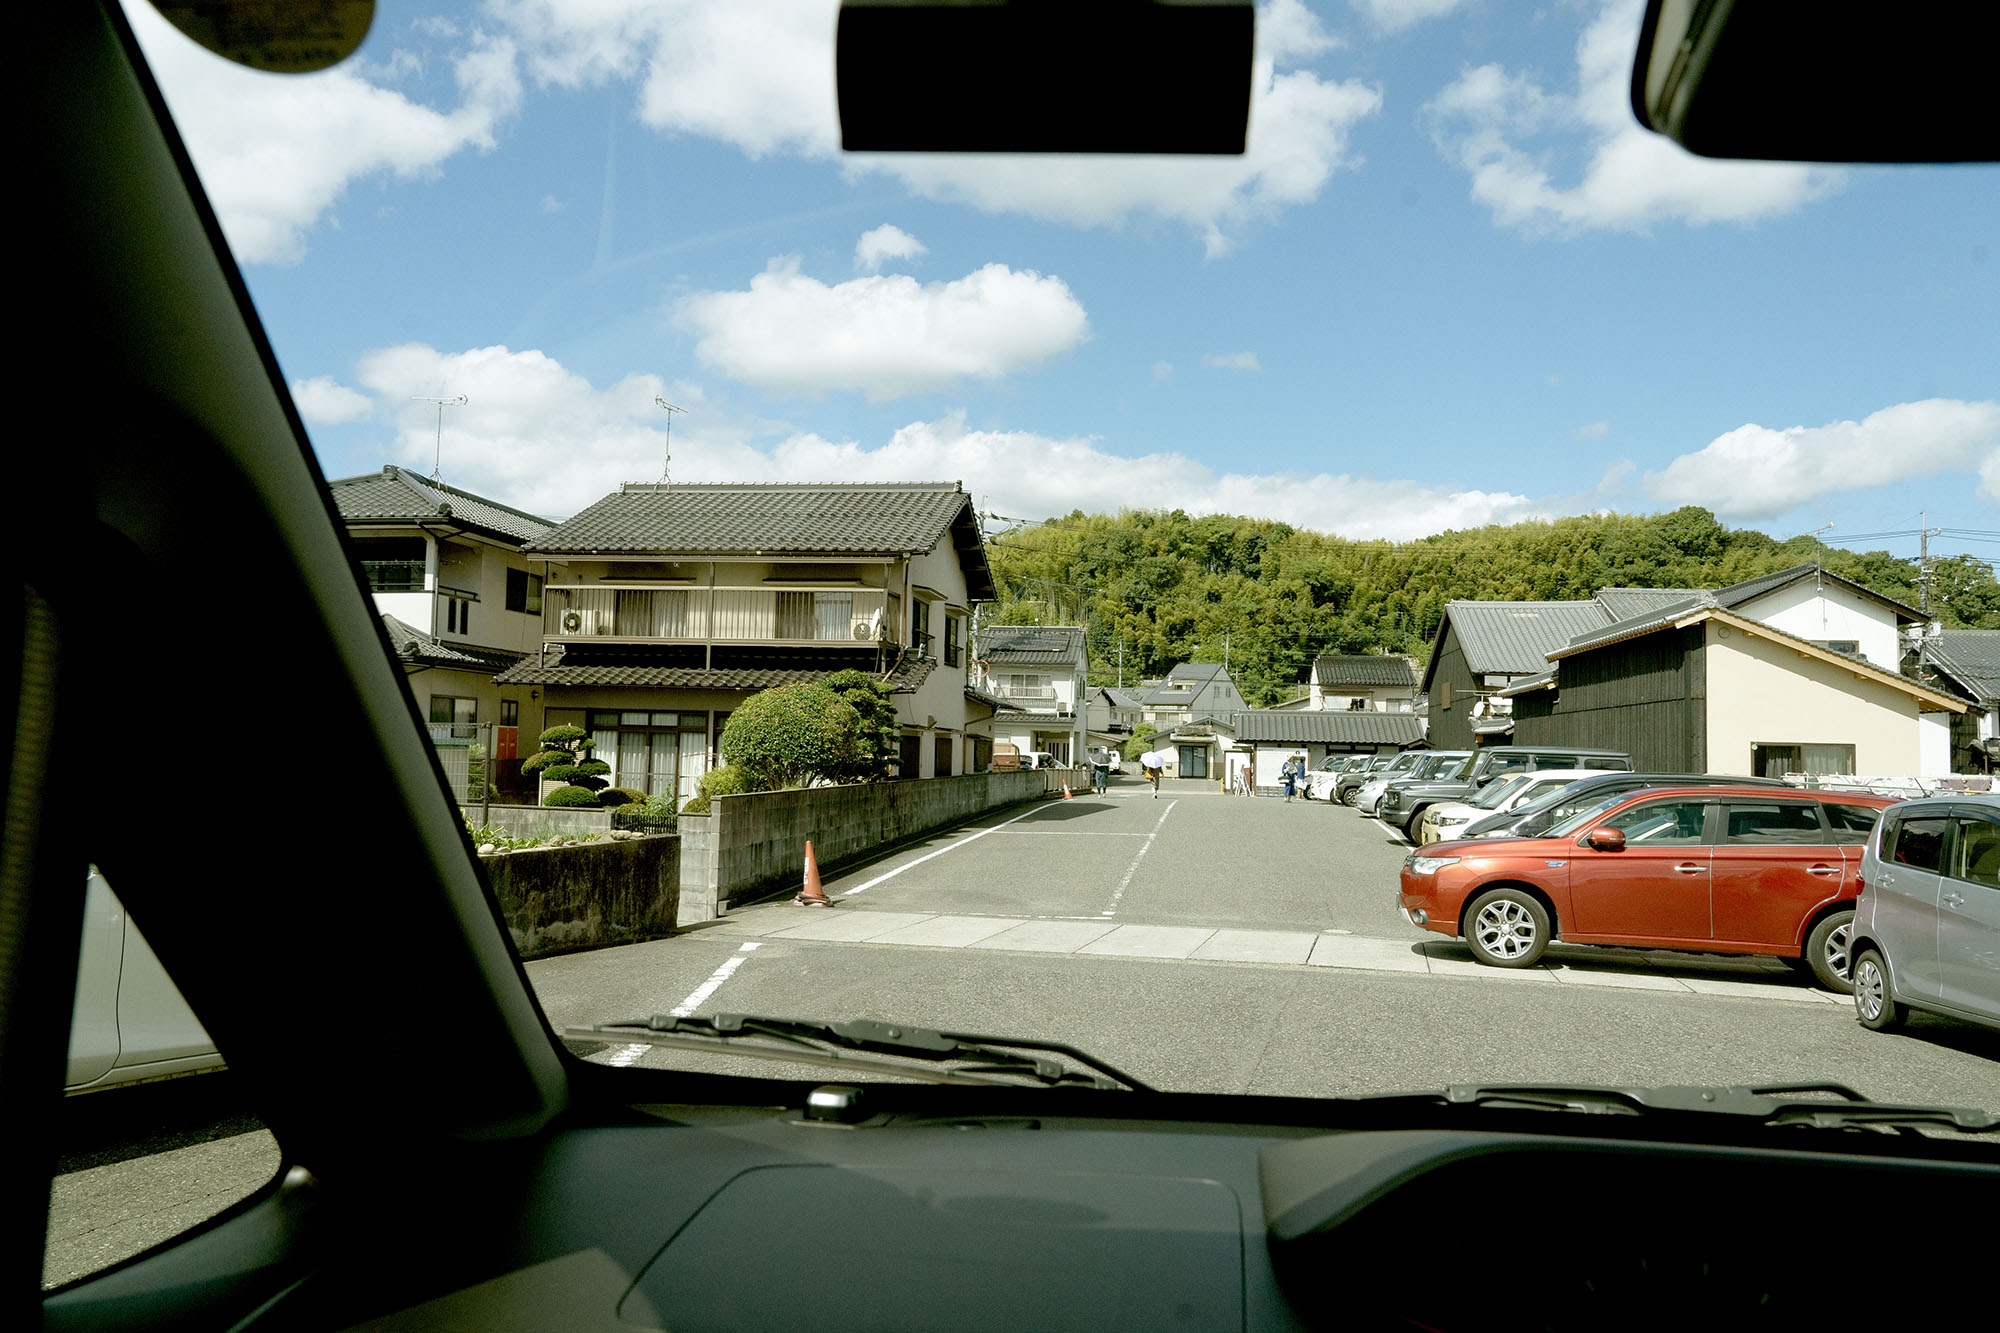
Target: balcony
x=600 y=614
x=1044 y=693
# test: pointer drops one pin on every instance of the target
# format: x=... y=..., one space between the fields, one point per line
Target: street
x=1201 y=942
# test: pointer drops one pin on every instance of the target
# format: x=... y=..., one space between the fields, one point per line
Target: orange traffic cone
x=812 y=895
x=1066 y=795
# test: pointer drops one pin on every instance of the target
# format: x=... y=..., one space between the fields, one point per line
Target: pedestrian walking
x=1290 y=774
x=1152 y=763
x=1100 y=773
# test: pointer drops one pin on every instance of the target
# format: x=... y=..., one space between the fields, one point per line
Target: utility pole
x=1121 y=664
x=437 y=445
x=1924 y=535
x=667 y=463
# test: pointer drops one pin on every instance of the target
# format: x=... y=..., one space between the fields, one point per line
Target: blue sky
x=1450 y=284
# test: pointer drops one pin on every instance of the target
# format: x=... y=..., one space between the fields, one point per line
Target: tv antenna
x=437 y=445
x=666 y=464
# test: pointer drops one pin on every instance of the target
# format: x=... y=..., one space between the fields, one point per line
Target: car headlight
x=1440 y=821
x=1430 y=865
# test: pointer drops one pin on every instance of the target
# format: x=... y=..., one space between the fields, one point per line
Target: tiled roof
x=1030 y=645
x=1736 y=594
x=1540 y=681
x=1971 y=657
x=1632 y=627
x=1624 y=603
x=1285 y=727
x=747 y=519
x=1516 y=638
x=396 y=495
x=745 y=679
x=1333 y=670
x=413 y=645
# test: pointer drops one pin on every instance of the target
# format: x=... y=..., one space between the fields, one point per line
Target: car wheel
x=1507 y=928
x=1873 y=1004
x=1826 y=952
x=1350 y=796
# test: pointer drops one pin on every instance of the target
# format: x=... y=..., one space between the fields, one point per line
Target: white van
x=130 y=1022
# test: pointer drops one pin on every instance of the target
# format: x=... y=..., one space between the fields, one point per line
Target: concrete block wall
x=540 y=821
x=753 y=845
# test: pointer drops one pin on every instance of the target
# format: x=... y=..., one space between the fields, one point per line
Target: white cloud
x=1395 y=15
x=1232 y=361
x=758 y=74
x=888 y=335
x=324 y=401
x=1162 y=371
x=1515 y=140
x=551 y=204
x=1594 y=430
x=276 y=152
x=1758 y=472
x=884 y=243
x=537 y=435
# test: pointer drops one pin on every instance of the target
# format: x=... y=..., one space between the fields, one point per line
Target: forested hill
x=1170 y=588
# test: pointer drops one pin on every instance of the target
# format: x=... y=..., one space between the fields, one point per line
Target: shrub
x=654 y=814
x=616 y=796
x=565 y=757
x=560 y=772
x=792 y=735
x=878 y=738
x=569 y=796
x=594 y=767
x=728 y=780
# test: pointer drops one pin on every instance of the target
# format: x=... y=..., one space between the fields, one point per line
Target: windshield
x=1495 y=794
x=792 y=528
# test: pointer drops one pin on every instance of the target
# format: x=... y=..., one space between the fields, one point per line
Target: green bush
x=594 y=767
x=569 y=796
x=535 y=763
x=654 y=814
x=792 y=735
x=728 y=780
x=568 y=738
x=616 y=796
x=560 y=772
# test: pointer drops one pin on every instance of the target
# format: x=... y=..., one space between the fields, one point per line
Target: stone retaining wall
x=588 y=895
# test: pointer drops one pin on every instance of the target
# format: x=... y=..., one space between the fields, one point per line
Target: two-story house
x=459 y=600
x=665 y=606
x=1791 y=672
x=1041 y=674
x=1361 y=683
x=1967 y=661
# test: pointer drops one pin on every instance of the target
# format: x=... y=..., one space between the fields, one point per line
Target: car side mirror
x=1606 y=840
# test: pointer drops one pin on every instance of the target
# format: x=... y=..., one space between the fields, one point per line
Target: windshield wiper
x=1787 y=1104
x=916 y=1053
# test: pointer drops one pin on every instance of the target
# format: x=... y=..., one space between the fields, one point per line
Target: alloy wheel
x=1505 y=928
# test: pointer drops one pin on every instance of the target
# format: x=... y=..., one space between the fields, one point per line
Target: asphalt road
x=1126 y=925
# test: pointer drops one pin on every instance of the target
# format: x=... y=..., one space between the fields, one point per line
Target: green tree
x=565 y=758
x=879 y=739
x=1142 y=733
x=793 y=736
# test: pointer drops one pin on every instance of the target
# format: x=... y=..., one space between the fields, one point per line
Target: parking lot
x=1244 y=945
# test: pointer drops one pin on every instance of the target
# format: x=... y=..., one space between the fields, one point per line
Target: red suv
x=1742 y=870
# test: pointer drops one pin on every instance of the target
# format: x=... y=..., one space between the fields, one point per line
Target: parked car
x=129 y=1022
x=1347 y=784
x=1538 y=816
x=1447 y=818
x=1040 y=759
x=1318 y=783
x=1437 y=764
x=1404 y=801
x=1926 y=929
x=1734 y=870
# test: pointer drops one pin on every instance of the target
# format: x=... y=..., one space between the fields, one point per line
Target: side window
x=1851 y=823
x=1976 y=858
x=1767 y=822
x=1509 y=764
x=1917 y=843
x=1661 y=823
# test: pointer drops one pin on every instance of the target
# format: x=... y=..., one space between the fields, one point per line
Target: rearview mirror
x=1805 y=81
x=1044 y=76
x=1606 y=840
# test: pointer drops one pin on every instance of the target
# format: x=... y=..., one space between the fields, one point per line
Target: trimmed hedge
x=567 y=796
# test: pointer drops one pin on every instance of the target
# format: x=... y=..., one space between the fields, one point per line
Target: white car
x=1441 y=822
x=1319 y=782
x=130 y=1022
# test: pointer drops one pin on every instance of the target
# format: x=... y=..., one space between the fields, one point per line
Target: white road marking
x=625 y=1055
x=889 y=875
x=1133 y=869
x=720 y=975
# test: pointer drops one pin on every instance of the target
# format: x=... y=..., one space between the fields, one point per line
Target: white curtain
x=745 y=613
x=694 y=763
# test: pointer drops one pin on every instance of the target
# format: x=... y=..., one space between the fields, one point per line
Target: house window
x=941 y=756
x=391 y=564
x=1775 y=761
x=457 y=615
x=661 y=754
x=920 y=627
x=1444 y=694
x=524 y=592
x=952 y=625
x=510 y=712
x=1850 y=646
x=453 y=717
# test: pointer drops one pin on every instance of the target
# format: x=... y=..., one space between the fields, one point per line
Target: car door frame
x=1799 y=879
x=1967 y=925
x=1693 y=923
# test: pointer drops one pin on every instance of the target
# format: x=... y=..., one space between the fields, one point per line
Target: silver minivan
x=1926 y=929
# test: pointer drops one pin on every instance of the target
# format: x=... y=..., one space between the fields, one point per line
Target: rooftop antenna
x=437 y=446
x=667 y=463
